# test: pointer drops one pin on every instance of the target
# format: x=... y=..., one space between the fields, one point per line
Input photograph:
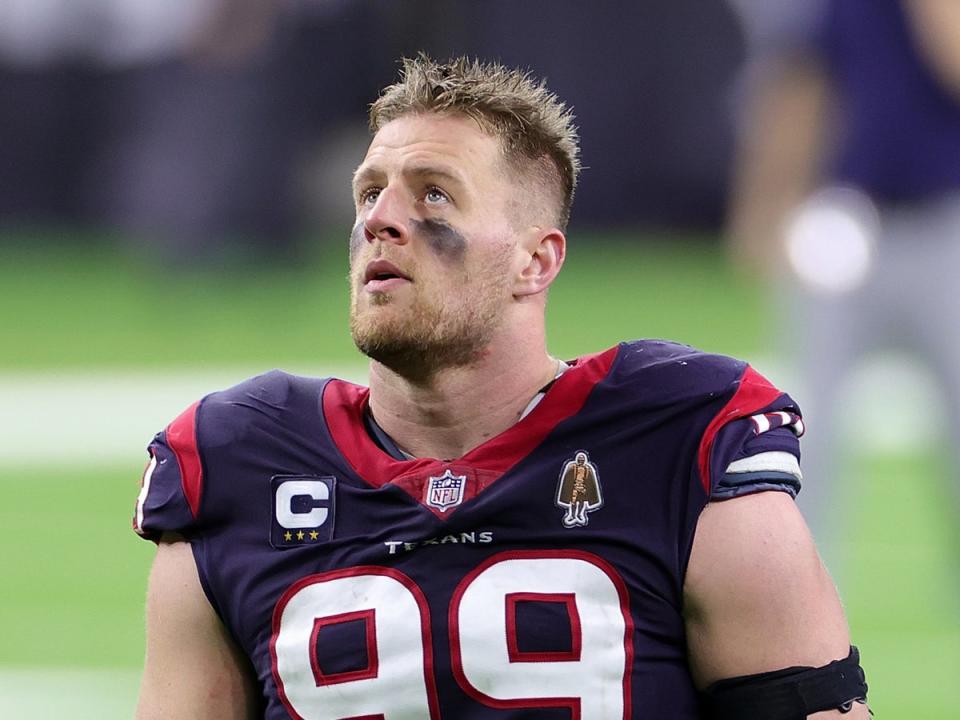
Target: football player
x=420 y=548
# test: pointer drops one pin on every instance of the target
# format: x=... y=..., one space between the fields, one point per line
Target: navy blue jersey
x=540 y=576
x=896 y=133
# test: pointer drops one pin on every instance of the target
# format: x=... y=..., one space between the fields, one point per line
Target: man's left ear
x=549 y=248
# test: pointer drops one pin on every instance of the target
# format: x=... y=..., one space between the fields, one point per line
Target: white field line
x=110 y=416
x=92 y=417
x=74 y=693
x=104 y=416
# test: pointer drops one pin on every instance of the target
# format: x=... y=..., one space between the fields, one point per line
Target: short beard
x=429 y=337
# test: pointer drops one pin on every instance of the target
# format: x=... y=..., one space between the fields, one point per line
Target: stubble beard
x=429 y=335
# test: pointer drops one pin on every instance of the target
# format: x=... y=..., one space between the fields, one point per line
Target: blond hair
x=534 y=127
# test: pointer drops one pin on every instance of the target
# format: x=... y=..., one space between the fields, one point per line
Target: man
x=332 y=551
x=847 y=198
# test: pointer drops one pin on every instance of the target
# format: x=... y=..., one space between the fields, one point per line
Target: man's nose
x=387 y=220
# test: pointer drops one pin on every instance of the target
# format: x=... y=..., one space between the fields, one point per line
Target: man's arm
x=193 y=670
x=936 y=27
x=757 y=597
x=780 y=151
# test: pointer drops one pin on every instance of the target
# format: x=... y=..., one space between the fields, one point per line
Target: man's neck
x=456 y=409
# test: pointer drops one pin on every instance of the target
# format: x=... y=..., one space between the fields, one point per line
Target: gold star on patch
x=299 y=534
x=314 y=534
x=288 y=536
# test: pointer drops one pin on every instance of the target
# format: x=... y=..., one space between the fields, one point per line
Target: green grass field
x=71 y=598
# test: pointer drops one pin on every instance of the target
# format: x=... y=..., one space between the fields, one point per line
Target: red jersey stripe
x=754 y=394
x=182 y=439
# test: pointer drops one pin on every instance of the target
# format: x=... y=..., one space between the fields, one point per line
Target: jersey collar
x=345 y=404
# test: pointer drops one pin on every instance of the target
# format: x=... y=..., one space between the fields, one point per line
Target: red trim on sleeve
x=754 y=394
x=182 y=439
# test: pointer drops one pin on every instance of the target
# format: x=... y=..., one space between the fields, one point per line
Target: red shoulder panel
x=182 y=439
x=754 y=394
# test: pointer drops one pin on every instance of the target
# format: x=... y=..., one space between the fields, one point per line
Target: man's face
x=433 y=252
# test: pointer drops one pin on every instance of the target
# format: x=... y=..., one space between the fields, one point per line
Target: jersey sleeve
x=170 y=492
x=764 y=457
x=752 y=445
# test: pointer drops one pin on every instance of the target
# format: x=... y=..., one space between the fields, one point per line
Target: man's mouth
x=383 y=275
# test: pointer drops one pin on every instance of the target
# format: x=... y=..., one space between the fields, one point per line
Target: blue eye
x=369 y=196
x=435 y=195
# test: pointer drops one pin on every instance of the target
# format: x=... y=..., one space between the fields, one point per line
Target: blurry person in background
x=848 y=189
x=217 y=132
x=66 y=67
x=212 y=154
x=182 y=125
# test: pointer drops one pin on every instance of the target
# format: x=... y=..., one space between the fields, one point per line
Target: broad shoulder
x=673 y=371
x=272 y=397
x=274 y=387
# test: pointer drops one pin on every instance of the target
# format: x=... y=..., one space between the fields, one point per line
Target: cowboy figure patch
x=445 y=491
x=578 y=491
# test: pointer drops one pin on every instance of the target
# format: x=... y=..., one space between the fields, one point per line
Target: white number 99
x=591 y=677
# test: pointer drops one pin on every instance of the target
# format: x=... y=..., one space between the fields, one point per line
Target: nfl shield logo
x=445 y=491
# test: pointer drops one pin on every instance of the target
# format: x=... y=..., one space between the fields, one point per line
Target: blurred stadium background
x=173 y=218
